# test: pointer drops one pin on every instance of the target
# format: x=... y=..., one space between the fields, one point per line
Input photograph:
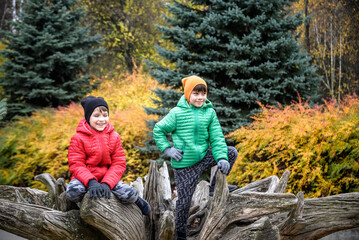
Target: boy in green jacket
x=195 y=128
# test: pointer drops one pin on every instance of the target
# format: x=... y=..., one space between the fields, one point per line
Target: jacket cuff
x=108 y=185
x=165 y=147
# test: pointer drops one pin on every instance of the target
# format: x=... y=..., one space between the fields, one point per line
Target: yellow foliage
x=2 y=47
x=39 y=143
x=319 y=145
x=333 y=43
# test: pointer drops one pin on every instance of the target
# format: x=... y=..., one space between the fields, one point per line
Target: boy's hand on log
x=224 y=166
x=173 y=153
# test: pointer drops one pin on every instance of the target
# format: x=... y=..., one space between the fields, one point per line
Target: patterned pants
x=76 y=191
x=186 y=182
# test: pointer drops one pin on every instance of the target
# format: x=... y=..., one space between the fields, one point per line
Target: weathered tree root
x=260 y=210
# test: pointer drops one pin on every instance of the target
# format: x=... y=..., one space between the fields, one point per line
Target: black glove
x=224 y=166
x=106 y=190
x=173 y=153
x=95 y=189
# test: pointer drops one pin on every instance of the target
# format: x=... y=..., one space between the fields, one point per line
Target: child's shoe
x=143 y=205
x=181 y=236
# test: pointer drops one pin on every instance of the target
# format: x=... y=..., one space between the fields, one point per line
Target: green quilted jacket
x=193 y=130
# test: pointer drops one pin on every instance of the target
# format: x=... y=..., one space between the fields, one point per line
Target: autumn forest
x=283 y=77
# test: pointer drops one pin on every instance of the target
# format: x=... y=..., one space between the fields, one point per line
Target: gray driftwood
x=260 y=210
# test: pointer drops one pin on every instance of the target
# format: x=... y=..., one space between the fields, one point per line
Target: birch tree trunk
x=306 y=26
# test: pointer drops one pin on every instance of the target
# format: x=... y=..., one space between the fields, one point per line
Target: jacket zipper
x=196 y=133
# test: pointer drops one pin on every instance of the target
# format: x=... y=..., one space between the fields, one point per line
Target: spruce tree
x=245 y=51
x=46 y=56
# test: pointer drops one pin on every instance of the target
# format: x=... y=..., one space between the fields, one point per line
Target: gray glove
x=95 y=189
x=106 y=190
x=174 y=153
x=224 y=166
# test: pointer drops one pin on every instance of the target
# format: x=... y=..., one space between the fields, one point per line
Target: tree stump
x=260 y=210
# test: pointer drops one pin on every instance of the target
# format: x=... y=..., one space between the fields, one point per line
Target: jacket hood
x=85 y=128
x=182 y=103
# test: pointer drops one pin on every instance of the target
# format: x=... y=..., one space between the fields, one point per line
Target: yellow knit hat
x=191 y=82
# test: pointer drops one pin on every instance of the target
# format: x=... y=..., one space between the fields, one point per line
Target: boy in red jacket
x=97 y=160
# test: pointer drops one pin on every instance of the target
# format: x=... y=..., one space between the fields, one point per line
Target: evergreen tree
x=245 y=51
x=46 y=56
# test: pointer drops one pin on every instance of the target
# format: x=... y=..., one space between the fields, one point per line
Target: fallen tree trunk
x=37 y=222
x=260 y=210
x=319 y=217
x=228 y=210
x=114 y=219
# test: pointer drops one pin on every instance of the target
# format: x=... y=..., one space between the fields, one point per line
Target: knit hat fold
x=90 y=103
x=189 y=83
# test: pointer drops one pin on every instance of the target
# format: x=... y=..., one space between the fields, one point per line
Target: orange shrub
x=39 y=143
x=319 y=145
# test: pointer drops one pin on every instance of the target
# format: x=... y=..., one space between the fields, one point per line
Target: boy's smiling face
x=99 y=119
x=197 y=98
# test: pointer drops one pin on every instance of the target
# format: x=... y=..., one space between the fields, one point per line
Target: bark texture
x=260 y=210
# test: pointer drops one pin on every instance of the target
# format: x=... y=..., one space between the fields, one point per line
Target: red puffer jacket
x=96 y=155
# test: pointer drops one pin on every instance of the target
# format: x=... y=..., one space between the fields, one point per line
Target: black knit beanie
x=90 y=103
